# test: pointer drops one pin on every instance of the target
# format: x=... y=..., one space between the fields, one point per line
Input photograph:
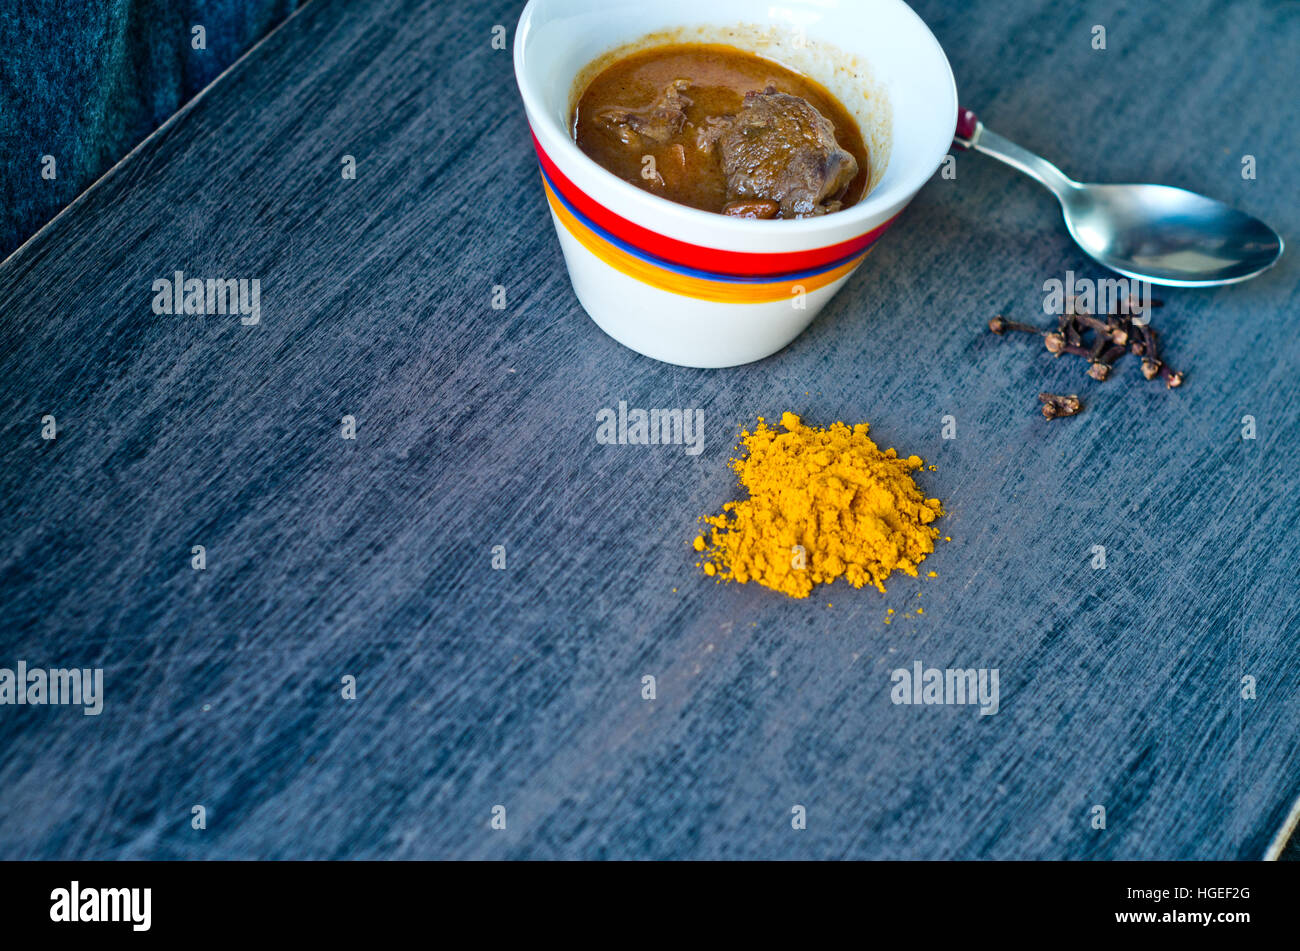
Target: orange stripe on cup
x=723 y=292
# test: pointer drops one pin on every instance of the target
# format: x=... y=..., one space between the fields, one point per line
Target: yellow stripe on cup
x=723 y=292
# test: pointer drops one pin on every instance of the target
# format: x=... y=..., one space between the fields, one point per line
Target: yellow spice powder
x=823 y=504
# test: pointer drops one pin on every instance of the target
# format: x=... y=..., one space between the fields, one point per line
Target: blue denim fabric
x=85 y=81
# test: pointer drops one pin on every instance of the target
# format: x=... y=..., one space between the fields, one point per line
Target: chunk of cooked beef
x=779 y=147
x=714 y=128
x=656 y=123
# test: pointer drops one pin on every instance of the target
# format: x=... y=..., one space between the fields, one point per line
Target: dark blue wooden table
x=372 y=558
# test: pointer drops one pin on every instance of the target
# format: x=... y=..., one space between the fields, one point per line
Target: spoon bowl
x=1169 y=235
x=1154 y=233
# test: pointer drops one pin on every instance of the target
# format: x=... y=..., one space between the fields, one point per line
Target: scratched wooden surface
x=476 y=428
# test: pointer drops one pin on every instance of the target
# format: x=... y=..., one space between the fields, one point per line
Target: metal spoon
x=1151 y=232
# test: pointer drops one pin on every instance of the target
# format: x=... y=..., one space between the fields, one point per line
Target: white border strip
x=168 y=123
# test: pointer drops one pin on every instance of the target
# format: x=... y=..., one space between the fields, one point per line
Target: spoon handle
x=971 y=134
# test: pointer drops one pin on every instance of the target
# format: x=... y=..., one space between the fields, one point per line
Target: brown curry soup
x=701 y=83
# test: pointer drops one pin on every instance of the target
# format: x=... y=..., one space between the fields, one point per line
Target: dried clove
x=1068 y=325
x=1000 y=325
x=1100 y=339
x=1056 y=345
x=1100 y=368
x=1056 y=406
x=1150 y=353
x=1100 y=326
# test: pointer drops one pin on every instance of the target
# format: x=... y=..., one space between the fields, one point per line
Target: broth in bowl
x=723 y=130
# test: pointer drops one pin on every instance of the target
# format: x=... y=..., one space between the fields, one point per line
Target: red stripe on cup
x=736 y=263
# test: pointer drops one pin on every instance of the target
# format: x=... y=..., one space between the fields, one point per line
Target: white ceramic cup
x=706 y=290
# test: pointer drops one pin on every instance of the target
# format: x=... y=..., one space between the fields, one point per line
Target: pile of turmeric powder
x=823 y=504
